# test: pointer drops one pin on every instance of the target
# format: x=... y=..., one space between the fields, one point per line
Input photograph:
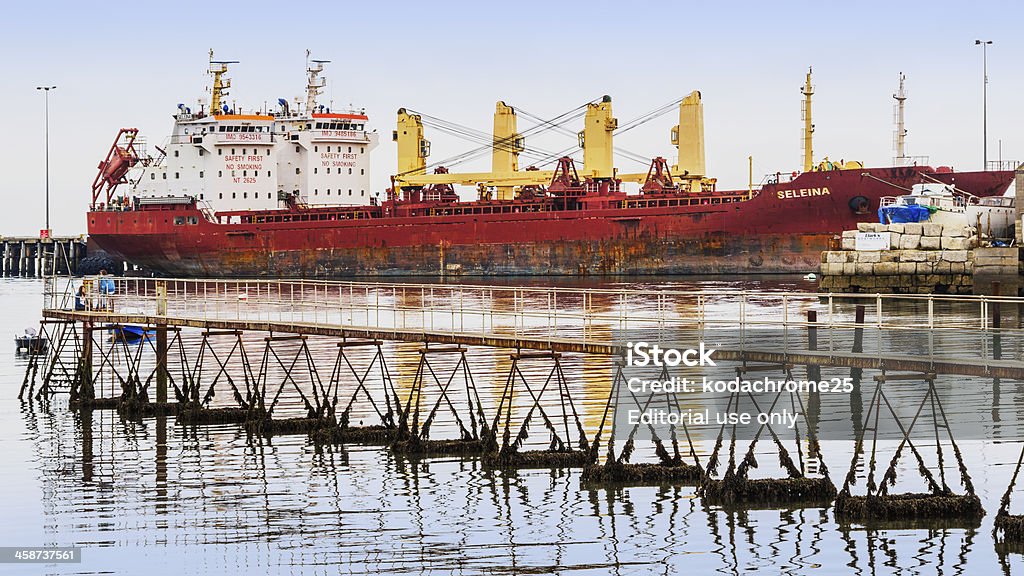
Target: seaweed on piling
x=1010 y=528
x=790 y=491
x=909 y=506
x=421 y=447
x=354 y=435
x=197 y=415
x=96 y=403
x=615 y=472
x=283 y=426
x=537 y=459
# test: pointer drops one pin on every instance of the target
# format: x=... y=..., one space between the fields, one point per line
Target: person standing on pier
x=106 y=288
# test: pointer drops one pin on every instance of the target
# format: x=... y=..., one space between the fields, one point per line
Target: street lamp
x=46 y=123
x=984 y=100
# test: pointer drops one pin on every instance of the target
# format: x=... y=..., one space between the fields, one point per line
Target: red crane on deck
x=113 y=170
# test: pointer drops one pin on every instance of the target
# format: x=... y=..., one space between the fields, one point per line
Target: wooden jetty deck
x=965 y=335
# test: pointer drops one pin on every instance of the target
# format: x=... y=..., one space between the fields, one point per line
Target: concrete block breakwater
x=914 y=258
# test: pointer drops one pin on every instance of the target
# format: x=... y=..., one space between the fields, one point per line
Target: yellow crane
x=595 y=139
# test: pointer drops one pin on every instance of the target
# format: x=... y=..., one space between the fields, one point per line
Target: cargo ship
x=286 y=193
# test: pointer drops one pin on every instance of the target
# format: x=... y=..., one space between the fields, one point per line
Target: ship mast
x=220 y=84
x=807 y=90
x=901 y=132
x=315 y=84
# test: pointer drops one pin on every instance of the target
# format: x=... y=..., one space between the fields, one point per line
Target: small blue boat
x=130 y=332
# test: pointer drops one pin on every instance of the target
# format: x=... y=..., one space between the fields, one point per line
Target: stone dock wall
x=922 y=258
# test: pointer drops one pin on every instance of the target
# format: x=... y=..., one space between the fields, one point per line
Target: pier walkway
x=967 y=335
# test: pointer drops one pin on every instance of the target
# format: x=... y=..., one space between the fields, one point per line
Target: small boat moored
x=31 y=343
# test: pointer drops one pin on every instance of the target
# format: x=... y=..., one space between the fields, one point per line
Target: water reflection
x=215 y=499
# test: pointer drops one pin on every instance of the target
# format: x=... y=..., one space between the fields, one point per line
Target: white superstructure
x=229 y=160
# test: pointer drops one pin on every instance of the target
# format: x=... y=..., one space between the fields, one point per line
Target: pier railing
x=952 y=328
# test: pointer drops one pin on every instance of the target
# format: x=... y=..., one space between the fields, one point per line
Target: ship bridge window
x=179 y=220
x=193 y=220
x=319 y=125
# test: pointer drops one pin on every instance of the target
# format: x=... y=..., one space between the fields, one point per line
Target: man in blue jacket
x=106 y=288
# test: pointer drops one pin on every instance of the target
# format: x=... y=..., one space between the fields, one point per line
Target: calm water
x=156 y=498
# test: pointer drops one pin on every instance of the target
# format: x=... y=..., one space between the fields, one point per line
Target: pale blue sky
x=128 y=64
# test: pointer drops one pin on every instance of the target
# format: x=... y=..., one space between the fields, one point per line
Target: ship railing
x=1001 y=165
x=962 y=328
x=911 y=160
x=779 y=178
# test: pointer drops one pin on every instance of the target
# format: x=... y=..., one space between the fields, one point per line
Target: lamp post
x=46 y=124
x=984 y=100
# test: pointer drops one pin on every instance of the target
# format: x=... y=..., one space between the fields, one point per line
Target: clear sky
x=129 y=63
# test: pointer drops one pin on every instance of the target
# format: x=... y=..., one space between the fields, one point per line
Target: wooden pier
x=38 y=257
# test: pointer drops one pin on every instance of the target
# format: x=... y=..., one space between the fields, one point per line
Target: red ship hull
x=783 y=228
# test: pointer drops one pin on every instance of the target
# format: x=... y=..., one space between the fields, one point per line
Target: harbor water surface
x=153 y=497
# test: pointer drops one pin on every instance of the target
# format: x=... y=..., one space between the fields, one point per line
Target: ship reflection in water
x=143 y=495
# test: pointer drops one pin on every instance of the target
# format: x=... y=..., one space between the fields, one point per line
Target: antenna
x=900 y=134
x=315 y=84
x=807 y=90
x=220 y=84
